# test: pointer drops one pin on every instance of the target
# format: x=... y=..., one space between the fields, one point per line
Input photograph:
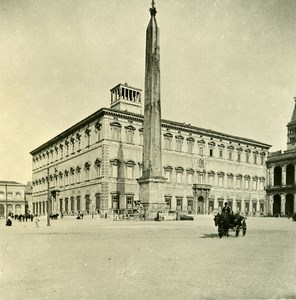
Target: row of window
x=79 y=141
x=10 y=195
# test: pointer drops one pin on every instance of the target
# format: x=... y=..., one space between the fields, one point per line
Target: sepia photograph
x=148 y=149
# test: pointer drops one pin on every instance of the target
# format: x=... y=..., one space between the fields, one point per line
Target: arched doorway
x=276 y=205
x=290 y=175
x=2 y=210
x=200 y=205
x=289 y=208
x=277 y=176
x=9 y=209
x=17 y=209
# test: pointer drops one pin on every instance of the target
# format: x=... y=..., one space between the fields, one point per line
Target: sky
x=226 y=65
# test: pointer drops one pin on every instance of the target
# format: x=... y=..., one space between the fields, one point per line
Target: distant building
x=12 y=194
x=281 y=187
x=93 y=165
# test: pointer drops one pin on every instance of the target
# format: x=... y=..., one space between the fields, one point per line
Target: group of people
x=31 y=217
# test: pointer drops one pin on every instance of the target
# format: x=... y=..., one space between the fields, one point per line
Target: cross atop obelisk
x=151 y=182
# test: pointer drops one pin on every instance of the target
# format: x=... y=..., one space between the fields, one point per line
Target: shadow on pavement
x=209 y=236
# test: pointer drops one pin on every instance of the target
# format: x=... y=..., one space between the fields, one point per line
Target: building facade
x=281 y=184
x=12 y=198
x=94 y=165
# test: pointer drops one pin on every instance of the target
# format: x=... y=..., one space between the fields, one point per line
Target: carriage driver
x=226 y=209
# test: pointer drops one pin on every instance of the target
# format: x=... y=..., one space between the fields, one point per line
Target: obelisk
x=152 y=182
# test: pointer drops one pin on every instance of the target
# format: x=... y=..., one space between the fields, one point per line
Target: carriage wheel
x=237 y=230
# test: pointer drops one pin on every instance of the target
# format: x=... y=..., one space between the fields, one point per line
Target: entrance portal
x=200 y=205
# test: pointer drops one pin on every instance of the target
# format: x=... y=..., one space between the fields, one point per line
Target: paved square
x=104 y=259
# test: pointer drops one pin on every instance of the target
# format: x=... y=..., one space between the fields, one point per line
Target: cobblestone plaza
x=104 y=259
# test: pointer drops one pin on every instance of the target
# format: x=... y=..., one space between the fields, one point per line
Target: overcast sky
x=226 y=65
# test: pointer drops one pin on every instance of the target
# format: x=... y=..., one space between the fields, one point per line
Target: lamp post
x=6 y=201
x=48 y=199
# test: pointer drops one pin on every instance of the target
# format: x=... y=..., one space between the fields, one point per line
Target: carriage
x=235 y=222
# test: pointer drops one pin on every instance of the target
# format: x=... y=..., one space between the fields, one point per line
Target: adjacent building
x=94 y=165
x=281 y=184
x=12 y=198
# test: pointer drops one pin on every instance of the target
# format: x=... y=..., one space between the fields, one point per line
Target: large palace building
x=94 y=165
x=281 y=187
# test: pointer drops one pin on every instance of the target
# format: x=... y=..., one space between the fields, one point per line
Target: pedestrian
x=9 y=222
x=36 y=220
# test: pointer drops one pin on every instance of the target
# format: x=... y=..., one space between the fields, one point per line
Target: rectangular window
x=262 y=160
x=246 y=184
x=129 y=202
x=179 y=204
x=167 y=143
x=255 y=159
x=116 y=131
x=220 y=153
x=200 y=150
x=190 y=147
x=238 y=157
x=189 y=205
x=230 y=155
x=261 y=185
x=168 y=202
x=129 y=136
x=179 y=177
x=168 y=175
x=115 y=202
x=247 y=158
x=115 y=171
x=189 y=178
x=129 y=172
x=200 y=178
x=211 y=180
x=220 y=181
x=179 y=144
x=238 y=183
x=211 y=152
x=254 y=185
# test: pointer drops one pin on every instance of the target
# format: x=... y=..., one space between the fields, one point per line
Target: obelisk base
x=152 y=196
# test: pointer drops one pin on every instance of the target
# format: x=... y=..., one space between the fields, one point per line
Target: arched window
x=290 y=175
x=277 y=176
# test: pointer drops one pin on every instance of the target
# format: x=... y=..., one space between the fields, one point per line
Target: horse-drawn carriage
x=226 y=221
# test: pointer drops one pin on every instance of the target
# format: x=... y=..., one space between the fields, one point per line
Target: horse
x=222 y=221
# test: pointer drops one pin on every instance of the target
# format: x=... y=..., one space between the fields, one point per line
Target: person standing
x=36 y=220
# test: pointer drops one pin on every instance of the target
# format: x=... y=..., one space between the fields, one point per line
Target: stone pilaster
x=283 y=204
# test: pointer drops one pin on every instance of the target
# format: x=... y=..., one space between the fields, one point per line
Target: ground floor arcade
x=282 y=204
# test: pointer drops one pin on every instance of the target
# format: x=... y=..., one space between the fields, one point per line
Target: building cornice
x=140 y=118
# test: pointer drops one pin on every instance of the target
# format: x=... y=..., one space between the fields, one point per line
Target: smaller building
x=281 y=186
x=12 y=198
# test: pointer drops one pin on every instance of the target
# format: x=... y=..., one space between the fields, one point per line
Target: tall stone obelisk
x=152 y=182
